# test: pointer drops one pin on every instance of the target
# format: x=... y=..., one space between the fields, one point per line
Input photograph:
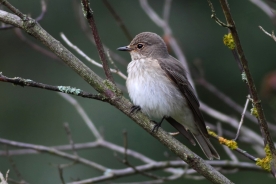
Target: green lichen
x=69 y=90
x=244 y=78
x=112 y=87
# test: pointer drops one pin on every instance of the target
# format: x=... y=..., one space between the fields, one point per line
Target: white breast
x=152 y=90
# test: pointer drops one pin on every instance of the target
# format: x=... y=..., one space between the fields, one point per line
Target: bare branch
x=83 y=115
x=168 y=32
x=88 y=13
x=18 y=33
x=129 y=171
x=251 y=85
x=53 y=151
x=118 y=20
x=87 y=32
x=265 y=7
x=80 y=52
x=69 y=135
x=242 y=117
x=228 y=101
x=166 y=10
x=271 y=35
x=226 y=149
x=231 y=121
x=39 y=18
x=63 y=89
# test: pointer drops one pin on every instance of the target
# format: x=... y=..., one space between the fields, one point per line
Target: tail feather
x=207 y=147
x=181 y=129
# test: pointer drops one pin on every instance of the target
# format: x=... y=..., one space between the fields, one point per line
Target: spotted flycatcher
x=157 y=85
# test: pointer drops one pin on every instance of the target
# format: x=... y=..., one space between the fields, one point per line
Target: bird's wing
x=176 y=72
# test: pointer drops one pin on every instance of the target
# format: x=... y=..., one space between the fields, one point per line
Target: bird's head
x=146 y=45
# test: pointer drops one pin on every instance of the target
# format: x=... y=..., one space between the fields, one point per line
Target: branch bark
x=251 y=85
x=110 y=91
x=88 y=13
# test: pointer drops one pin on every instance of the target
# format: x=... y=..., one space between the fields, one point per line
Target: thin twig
x=144 y=168
x=272 y=35
x=35 y=46
x=69 y=135
x=15 y=169
x=242 y=117
x=118 y=20
x=13 y=9
x=39 y=18
x=242 y=152
x=166 y=10
x=127 y=163
x=168 y=32
x=214 y=16
x=83 y=115
x=228 y=101
x=88 y=13
x=22 y=16
x=80 y=146
x=265 y=7
x=87 y=32
x=63 y=89
x=80 y=52
x=255 y=138
x=251 y=85
x=54 y=151
x=226 y=149
x=117 y=100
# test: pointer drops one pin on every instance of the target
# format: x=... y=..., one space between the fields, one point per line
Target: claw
x=135 y=108
x=156 y=127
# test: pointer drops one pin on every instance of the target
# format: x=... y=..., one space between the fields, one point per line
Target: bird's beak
x=125 y=48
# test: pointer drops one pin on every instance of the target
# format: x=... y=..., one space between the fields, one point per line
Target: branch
x=227 y=100
x=256 y=101
x=115 y=97
x=83 y=115
x=63 y=89
x=54 y=151
x=118 y=20
x=265 y=7
x=13 y=9
x=168 y=32
x=270 y=35
x=80 y=52
x=144 y=168
x=88 y=13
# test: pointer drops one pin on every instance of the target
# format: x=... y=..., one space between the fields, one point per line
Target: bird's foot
x=157 y=125
x=135 y=108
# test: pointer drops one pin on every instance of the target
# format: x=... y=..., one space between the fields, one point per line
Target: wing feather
x=176 y=72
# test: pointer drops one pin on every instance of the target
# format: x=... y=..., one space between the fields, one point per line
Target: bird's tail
x=207 y=147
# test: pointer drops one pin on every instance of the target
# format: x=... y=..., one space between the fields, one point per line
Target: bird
x=158 y=86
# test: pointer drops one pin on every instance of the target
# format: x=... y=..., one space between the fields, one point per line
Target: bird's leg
x=135 y=108
x=157 y=124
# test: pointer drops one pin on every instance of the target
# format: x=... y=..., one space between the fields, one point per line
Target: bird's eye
x=140 y=46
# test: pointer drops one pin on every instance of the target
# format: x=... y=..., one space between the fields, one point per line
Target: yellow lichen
x=229 y=41
x=211 y=133
x=265 y=162
x=229 y=143
x=254 y=112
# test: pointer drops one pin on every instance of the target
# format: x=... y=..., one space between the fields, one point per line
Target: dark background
x=36 y=116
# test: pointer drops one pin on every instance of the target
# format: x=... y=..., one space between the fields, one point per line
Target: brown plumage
x=157 y=83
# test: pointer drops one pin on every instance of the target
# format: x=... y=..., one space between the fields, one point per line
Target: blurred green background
x=36 y=116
